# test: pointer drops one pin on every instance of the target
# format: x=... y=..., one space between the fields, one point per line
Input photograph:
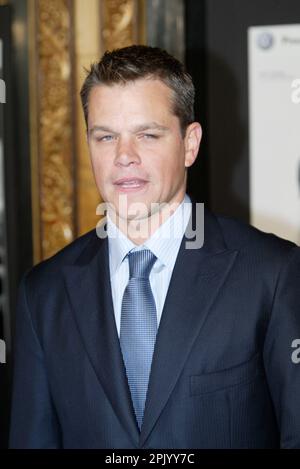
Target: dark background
x=17 y=235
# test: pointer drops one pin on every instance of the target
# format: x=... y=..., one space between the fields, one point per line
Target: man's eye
x=150 y=136
x=104 y=138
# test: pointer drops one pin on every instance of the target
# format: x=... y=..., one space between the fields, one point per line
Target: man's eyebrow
x=101 y=128
x=150 y=125
x=138 y=128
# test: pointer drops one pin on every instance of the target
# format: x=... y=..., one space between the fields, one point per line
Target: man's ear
x=192 y=141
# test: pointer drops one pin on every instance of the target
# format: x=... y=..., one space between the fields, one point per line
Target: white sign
x=274 y=133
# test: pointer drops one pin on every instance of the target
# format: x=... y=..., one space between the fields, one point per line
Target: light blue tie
x=138 y=327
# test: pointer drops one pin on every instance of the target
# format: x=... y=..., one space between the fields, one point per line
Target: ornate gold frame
x=51 y=119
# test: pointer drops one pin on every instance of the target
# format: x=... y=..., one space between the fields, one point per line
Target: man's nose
x=126 y=152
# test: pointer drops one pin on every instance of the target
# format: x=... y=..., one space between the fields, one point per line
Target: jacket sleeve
x=282 y=351
x=34 y=422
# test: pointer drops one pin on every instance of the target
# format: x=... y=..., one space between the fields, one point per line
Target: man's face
x=136 y=145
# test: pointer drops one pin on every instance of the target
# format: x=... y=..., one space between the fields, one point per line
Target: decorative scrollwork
x=56 y=149
x=119 y=23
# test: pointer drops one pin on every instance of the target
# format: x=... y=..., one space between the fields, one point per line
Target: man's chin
x=132 y=215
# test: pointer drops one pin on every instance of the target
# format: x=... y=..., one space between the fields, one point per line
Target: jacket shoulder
x=70 y=254
x=241 y=235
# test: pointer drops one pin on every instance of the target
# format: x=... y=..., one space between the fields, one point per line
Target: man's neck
x=140 y=230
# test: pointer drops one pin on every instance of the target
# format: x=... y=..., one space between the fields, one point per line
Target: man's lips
x=130 y=184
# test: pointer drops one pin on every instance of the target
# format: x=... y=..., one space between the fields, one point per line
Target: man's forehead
x=143 y=101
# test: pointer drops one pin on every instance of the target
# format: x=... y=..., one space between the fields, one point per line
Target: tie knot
x=141 y=263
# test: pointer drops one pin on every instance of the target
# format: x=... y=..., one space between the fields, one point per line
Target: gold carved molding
x=123 y=23
x=52 y=96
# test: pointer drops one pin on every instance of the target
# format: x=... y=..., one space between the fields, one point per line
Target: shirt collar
x=164 y=243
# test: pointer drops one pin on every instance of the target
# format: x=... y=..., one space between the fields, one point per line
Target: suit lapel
x=89 y=290
x=197 y=278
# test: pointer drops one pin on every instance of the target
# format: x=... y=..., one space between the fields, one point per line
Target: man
x=139 y=339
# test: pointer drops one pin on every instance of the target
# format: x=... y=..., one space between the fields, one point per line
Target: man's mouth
x=130 y=184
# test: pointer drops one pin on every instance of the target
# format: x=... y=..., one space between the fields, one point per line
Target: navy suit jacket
x=222 y=373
